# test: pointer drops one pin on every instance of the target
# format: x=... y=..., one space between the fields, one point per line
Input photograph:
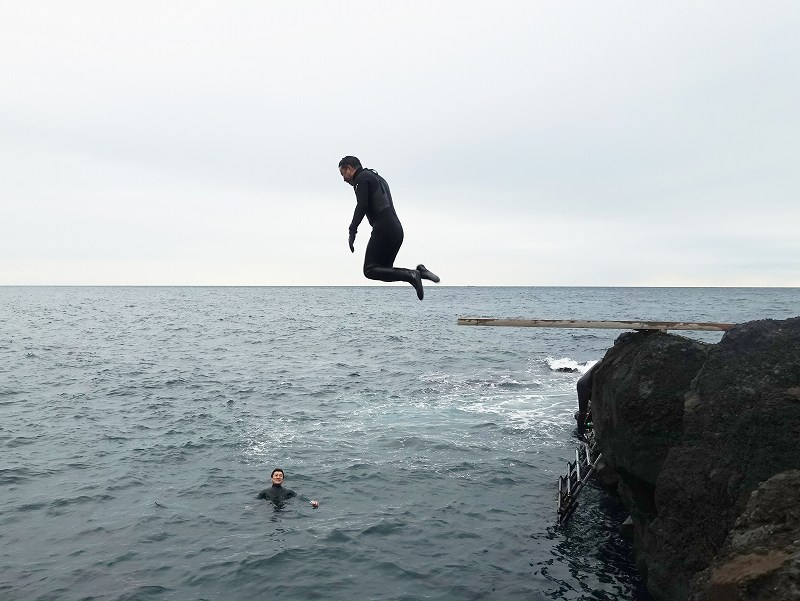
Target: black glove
x=350 y=241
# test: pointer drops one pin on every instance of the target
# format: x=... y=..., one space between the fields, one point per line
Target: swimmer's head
x=348 y=167
x=350 y=161
x=277 y=476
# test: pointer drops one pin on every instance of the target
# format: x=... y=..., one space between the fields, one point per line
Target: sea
x=138 y=424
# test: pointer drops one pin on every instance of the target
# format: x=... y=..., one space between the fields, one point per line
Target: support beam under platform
x=603 y=325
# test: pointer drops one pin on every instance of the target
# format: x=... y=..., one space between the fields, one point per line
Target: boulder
x=638 y=392
x=760 y=559
x=637 y=400
x=741 y=424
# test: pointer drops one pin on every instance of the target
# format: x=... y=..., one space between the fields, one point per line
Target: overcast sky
x=526 y=143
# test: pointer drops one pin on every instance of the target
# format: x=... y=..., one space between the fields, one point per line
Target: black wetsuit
x=276 y=492
x=584 y=387
x=374 y=200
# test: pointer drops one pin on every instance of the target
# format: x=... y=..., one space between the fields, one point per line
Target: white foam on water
x=524 y=412
x=567 y=364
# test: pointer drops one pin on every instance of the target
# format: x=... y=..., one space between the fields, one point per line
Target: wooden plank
x=603 y=325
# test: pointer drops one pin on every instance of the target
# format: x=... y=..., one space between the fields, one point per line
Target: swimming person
x=374 y=200
x=277 y=493
x=584 y=389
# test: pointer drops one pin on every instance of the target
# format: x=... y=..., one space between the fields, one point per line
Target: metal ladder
x=578 y=473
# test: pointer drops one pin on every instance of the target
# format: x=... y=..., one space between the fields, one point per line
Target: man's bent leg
x=396 y=274
x=382 y=248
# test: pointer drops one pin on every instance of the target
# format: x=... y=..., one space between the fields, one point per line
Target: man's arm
x=313 y=502
x=362 y=198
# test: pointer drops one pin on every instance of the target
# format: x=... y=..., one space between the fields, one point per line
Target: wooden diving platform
x=602 y=325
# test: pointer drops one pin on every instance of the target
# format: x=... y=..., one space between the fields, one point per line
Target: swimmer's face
x=348 y=171
x=277 y=477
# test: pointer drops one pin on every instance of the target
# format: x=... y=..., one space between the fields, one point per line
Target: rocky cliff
x=701 y=443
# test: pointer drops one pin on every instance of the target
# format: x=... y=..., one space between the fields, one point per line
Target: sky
x=527 y=143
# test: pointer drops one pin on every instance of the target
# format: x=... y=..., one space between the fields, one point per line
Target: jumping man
x=374 y=200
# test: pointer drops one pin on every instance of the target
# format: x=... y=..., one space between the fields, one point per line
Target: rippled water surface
x=138 y=424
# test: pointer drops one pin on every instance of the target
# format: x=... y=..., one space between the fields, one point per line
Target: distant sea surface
x=137 y=426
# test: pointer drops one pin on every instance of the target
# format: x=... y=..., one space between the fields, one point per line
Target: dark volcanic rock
x=760 y=560
x=637 y=409
x=637 y=400
x=741 y=425
x=688 y=431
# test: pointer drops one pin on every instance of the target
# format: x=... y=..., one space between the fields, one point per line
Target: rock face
x=637 y=399
x=760 y=560
x=637 y=411
x=692 y=430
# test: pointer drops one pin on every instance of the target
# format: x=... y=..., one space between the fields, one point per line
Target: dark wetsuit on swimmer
x=276 y=493
x=374 y=199
x=584 y=388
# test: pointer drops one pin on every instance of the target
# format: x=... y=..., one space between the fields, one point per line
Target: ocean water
x=137 y=426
